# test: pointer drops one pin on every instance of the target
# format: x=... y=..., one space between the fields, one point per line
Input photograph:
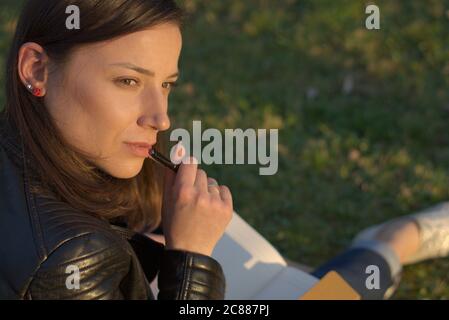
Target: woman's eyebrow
x=140 y=70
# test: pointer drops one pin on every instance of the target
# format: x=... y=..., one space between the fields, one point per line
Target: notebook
x=331 y=287
x=255 y=270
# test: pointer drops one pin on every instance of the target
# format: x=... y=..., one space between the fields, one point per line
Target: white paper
x=253 y=268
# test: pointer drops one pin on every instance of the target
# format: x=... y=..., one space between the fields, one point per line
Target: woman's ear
x=33 y=67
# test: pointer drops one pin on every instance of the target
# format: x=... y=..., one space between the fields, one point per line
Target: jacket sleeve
x=190 y=276
x=183 y=275
x=90 y=266
x=96 y=266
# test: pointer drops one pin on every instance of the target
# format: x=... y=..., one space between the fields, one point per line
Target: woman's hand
x=195 y=210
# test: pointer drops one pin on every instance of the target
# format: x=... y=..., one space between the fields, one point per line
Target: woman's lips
x=139 y=149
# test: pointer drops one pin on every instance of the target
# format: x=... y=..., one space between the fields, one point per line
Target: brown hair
x=62 y=170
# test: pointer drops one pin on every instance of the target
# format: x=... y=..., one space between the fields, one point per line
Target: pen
x=160 y=158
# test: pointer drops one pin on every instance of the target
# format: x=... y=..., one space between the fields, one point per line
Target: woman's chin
x=128 y=171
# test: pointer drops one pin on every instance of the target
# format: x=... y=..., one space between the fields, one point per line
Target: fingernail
x=178 y=153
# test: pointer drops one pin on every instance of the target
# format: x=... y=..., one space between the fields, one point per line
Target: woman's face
x=115 y=92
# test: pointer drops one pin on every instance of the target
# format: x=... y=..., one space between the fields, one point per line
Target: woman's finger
x=178 y=153
x=187 y=172
x=226 y=195
x=201 y=181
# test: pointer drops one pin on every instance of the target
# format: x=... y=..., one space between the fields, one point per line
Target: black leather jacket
x=42 y=239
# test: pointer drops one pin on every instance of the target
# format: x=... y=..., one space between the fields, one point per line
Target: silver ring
x=212 y=184
x=213 y=188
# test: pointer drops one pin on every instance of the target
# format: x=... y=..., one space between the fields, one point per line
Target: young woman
x=75 y=185
x=80 y=104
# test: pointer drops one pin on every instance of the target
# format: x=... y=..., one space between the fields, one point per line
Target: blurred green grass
x=362 y=115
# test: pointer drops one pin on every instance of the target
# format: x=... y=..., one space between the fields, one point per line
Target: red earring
x=37 y=92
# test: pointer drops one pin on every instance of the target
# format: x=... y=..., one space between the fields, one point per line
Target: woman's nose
x=156 y=107
x=162 y=121
x=158 y=122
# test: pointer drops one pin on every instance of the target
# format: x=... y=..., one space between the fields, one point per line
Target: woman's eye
x=128 y=82
x=169 y=85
